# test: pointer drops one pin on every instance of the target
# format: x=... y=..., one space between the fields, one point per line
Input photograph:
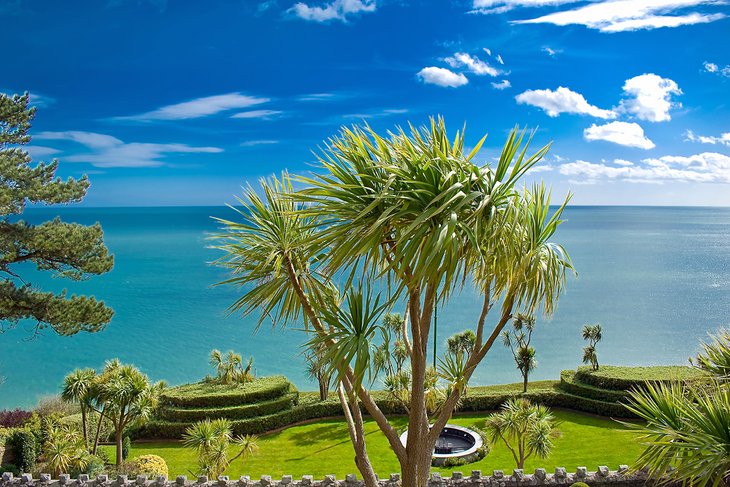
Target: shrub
x=233 y=412
x=579 y=484
x=149 y=465
x=126 y=444
x=53 y=405
x=627 y=378
x=25 y=446
x=9 y=467
x=14 y=418
x=572 y=386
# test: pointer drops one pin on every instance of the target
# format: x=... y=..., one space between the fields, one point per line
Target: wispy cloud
x=254 y=143
x=335 y=10
x=550 y=51
x=318 y=97
x=629 y=15
x=649 y=97
x=442 y=77
x=377 y=114
x=722 y=139
x=109 y=151
x=562 y=100
x=622 y=133
x=199 y=107
x=263 y=114
x=707 y=167
x=502 y=85
x=501 y=6
x=40 y=151
x=472 y=63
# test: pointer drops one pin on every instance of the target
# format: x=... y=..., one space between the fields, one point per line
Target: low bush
x=25 y=448
x=245 y=411
x=579 y=484
x=149 y=465
x=627 y=378
x=209 y=394
x=9 y=467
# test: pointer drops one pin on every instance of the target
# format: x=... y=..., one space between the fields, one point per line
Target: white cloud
x=722 y=139
x=499 y=59
x=622 y=162
x=501 y=6
x=707 y=167
x=40 y=151
x=622 y=133
x=715 y=69
x=502 y=85
x=336 y=10
x=109 y=151
x=650 y=97
x=265 y=114
x=254 y=143
x=550 y=52
x=630 y=15
x=472 y=63
x=560 y=101
x=199 y=107
x=442 y=77
x=377 y=114
x=317 y=97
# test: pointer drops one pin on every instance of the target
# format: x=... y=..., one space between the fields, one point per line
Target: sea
x=656 y=278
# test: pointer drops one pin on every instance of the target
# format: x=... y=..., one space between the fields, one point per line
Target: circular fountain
x=454 y=442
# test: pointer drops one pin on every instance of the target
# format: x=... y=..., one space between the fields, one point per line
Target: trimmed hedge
x=245 y=411
x=569 y=384
x=477 y=399
x=207 y=395
x=627 y=378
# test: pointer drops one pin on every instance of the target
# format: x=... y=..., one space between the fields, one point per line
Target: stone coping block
x=602 y=477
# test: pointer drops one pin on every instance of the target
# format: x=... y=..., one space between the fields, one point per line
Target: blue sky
x=182 y=102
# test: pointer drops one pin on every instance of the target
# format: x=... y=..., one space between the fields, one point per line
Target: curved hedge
x=207 y=395
x=569 y=384
x=627 y=378
x=263 y=408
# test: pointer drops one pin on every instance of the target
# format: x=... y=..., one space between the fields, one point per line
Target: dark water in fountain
x=453 y=441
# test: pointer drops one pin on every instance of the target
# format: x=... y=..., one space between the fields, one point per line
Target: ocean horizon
x=656 y=277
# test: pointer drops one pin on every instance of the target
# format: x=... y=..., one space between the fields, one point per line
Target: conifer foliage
x=68 y=250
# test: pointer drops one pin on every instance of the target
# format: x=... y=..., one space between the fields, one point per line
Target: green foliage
x=207 y=394
x=67 y=250
x=64 y=450
x=579 y=484
x=569 y=384
x=212 y=440
x=25 y=447
x=10 y=467
x=526 y=429
x=252 y=410
x=126 y=443
x=150 y=465
x=462 y=342
x=626 y=378
x=715 y=356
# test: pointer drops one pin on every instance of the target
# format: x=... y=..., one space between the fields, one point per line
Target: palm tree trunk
x=524 y=383
x=118 y=440
x=98 y=432
x=84 y=427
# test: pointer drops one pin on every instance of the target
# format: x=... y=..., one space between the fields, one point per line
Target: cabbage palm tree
x=77 y=388
x=592 y=334
x=518 y=341
x=64 y=450
x=212 y=440
x=526 y=429
x=413 y=212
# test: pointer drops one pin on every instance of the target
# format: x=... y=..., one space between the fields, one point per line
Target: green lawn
x=324 y=448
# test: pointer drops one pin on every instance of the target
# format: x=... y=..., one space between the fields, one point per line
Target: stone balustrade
x=603 y=477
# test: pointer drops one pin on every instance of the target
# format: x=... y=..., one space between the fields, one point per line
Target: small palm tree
x=518 y=341
x=592 y=334
x=78 y=389
x=461 y=342
x=230 y=369
x=715 y=355
x=526 y=429
x=212 y=441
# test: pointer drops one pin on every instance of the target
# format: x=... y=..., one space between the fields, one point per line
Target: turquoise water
x=658 y=279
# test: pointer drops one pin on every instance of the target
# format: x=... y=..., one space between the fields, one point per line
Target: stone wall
x=600 y=478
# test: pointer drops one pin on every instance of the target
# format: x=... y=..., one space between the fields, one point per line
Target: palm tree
x=519 y=343
x=129 y=398
x=526 y=429
x=229 y=367
x=592 y=334
x=77 y=388
x=461 y=342
x=212 y=440
x=413 y=211
x=685 y=424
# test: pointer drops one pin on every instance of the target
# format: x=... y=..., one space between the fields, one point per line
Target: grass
x=324 y=448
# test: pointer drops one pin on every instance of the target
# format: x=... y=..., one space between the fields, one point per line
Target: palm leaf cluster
x=230 y=369
x=687 y=424
x=592 y=334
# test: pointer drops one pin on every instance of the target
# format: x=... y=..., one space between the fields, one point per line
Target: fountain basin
x=454 y=442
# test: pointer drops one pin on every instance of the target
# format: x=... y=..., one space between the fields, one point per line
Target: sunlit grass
x=324 y=448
